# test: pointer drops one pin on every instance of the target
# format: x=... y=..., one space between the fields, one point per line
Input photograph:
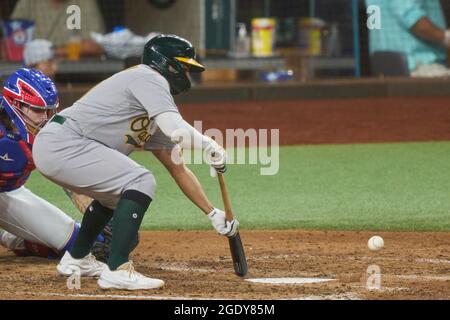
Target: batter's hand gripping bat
x=236 y=248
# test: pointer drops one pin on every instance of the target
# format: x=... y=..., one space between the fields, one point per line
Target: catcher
x=85 y=148
x=32 y=226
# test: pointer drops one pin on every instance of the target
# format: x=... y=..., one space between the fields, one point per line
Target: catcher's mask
x=26 y=94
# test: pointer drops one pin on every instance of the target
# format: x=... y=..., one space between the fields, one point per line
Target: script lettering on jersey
x=139 y=131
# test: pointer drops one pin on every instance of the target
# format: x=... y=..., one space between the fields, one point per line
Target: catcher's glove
x=101 y=250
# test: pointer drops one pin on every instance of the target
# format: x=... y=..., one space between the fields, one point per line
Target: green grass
x=400 y=187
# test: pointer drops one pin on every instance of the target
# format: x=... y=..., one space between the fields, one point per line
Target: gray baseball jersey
x=118 y=112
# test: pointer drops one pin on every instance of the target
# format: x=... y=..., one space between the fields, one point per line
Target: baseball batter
x=91 y=142
x=31 y=225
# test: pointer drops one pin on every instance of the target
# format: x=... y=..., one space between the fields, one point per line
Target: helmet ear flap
x=171 y=69
x=164 y=64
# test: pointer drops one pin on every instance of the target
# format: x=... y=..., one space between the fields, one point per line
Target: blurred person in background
x=50 y=18
x=416 y=28
x=39 y=54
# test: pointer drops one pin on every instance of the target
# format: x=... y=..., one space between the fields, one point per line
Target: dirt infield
x=412 y=265
x=197 y=265
x=333 y=121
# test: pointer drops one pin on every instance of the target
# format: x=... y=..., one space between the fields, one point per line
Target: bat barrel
x=238 y=255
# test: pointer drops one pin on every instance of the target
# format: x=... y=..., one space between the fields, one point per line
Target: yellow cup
x=263 y=37
x=310 y=35
x=74 y=49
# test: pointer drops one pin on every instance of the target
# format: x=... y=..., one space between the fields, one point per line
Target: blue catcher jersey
x=15 y=166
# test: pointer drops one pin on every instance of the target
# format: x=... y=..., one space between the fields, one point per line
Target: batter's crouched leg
x=130 y=211
x=102 y=247
x=126 y=222
x=94 y=220
x=79 y=259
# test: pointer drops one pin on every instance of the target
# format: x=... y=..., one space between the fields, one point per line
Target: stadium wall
x=335 y=89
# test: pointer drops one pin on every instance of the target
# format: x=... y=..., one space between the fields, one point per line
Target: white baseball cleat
x=86 y=267
x=126 y=278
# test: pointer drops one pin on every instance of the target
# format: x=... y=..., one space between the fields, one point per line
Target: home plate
x=289 y=280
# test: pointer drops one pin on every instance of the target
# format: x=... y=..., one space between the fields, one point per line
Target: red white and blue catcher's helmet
x=28 y=89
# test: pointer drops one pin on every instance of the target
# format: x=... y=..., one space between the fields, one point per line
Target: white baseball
x=375 y=243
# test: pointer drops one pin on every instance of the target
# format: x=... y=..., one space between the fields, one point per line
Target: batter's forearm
x=185 y=179
x=192 y=188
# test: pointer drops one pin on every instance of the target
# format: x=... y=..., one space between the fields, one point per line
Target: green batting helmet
x=169 y=55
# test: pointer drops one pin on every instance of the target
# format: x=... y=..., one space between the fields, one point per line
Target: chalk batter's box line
x=110 y=296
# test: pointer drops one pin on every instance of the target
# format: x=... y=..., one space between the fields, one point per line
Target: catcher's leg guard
x=32 y=218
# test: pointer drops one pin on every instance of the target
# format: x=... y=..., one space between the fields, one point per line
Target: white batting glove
x=222 y=226
x=216 y=157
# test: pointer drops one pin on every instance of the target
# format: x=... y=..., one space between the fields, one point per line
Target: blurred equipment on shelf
x=286 y=32
x=310 y=35
x=331 y=42
x=122 y=43
x=277 y=76
x=220 y=75
x=242 y=47
x=263 y=37
x=219 y=33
